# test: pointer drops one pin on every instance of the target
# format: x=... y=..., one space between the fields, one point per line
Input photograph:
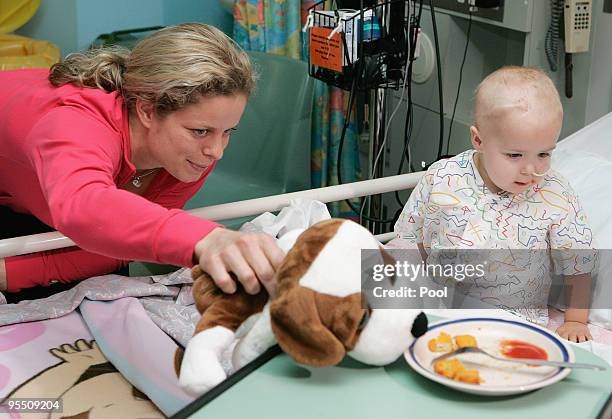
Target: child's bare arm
x=422 y=252
x=579 y=297
x=577 y=314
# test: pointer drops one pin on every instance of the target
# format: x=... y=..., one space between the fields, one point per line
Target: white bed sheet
x=585 y=159
x=594 y=138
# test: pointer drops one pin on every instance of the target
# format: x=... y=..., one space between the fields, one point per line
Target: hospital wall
x=74 y=24
x=599 y=100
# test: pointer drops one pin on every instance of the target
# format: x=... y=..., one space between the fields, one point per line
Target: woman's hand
x=252 y=258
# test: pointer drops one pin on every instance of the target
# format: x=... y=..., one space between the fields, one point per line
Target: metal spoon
x=474 y=350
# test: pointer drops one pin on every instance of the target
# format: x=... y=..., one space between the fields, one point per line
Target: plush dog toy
x=316 y=317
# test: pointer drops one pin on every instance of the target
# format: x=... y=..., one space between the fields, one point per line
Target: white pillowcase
x=591 y=177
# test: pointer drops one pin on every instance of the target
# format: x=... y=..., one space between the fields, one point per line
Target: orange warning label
x=325 y=52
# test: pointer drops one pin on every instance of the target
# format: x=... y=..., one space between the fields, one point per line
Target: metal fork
x=469 y=349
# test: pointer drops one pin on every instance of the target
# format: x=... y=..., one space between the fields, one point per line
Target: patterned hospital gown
x=451 y=208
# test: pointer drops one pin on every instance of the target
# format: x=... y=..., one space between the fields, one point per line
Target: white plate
x=499 y=378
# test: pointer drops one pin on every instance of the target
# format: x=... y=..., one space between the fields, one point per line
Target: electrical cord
x=551 y=41
x=440 y=88
x=356 y=77
x=405 y=83
x=409 y=121
x=439 y=66
x=386 y=134
x=405 y=152
x=388 y=125
x=349 y=110
x=344 y=128
x=467 y=44
x=380 y=109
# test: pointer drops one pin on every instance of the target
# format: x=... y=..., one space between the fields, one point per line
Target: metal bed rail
x=55 y=240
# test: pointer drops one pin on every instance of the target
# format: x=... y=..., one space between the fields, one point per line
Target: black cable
x=440 y=91
x=414 y=30
x=551 y=41
x=409 y=121
x=347 y=119
x=569 y=69
x=437 y=46
x=380 y=130
x=354 y=84
x=356 y=77
x=467 y=44
x=412 y=35
x=375 y=129
x=405 y=152
x=196 y=405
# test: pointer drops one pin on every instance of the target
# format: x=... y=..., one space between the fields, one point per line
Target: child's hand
x=574 y=332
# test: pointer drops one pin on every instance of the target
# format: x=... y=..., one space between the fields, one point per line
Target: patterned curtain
x=275 y=26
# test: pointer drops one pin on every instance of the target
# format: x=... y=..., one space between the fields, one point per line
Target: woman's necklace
x=137 y=180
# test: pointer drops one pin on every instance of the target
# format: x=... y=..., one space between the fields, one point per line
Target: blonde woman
x=108 y=146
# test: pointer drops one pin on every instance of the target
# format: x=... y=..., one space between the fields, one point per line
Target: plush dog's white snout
x=386 y=336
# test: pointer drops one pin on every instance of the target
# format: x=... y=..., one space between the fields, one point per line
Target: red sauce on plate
x=520 y=349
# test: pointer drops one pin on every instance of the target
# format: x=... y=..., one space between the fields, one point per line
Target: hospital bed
x=43 y=341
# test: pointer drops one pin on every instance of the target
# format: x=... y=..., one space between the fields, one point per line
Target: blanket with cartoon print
x=87 y=348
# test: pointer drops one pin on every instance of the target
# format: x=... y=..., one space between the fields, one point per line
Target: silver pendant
x=137 y=180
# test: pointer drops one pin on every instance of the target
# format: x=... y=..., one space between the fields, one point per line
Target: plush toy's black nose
x=419 y=326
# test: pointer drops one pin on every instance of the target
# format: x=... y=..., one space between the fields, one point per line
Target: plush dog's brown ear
x=178 y=360
x=218 y=308
x=205 y=292
x=313 y=328
x=221 y=309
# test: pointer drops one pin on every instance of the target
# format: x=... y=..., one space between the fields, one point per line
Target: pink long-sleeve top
x=64 y=153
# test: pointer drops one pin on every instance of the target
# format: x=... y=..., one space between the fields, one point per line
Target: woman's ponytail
x=170 y=69
x=98 y=68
